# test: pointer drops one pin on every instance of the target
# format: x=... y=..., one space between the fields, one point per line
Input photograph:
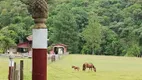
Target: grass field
x=108 y=68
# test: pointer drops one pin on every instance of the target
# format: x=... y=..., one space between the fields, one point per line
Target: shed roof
x=23 y=45
x=59 y=45
x=30 y=38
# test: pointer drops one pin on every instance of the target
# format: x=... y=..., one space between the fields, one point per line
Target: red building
x=56 y=48
x=26 y=46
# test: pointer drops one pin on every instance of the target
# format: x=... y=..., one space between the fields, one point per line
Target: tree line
x=100 y=27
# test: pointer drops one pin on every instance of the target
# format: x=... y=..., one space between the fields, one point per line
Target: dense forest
x=100 y=27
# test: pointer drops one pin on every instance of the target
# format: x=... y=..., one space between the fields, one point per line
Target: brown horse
x=88 y=65
x=76 y=68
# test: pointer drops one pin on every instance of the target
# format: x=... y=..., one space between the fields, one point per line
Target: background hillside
x=101 y=27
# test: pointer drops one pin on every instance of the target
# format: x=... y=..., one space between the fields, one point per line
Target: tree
x=65 y=29
x=6 y=43
x=92 y=34
x=110 y=42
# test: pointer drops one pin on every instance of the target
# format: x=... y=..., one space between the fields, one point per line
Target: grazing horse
x=88 y=65
x=75 y=68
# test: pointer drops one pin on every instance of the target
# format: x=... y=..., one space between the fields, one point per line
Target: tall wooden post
x=39 y=44
x=38 y=10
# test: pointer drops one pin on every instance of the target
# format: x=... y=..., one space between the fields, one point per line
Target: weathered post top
x=11 y=56
x=38 y=9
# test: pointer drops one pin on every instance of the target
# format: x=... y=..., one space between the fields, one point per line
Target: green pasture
x=108 y=68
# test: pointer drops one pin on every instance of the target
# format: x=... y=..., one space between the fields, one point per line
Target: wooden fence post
x=18 y=72
x=21 y=69
x=11 y=66
x=13 y=73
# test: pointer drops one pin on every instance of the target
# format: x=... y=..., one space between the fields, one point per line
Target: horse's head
x=94 y=69
x=73 y=66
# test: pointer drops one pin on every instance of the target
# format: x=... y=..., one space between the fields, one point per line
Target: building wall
x=13 y=50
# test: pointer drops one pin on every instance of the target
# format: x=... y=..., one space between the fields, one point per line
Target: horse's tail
x=83 y=67
x=94 y=68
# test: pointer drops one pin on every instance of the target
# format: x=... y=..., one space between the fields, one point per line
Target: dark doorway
x=56 y=50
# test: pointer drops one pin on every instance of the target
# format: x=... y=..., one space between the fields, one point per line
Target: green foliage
x=92 y=33
x=133 y=51
x=5 y=43
x=65 y=29
x=70 y=22
x=15 y=23
x=110 y=42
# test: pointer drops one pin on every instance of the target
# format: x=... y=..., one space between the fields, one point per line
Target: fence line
x=16 y=72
